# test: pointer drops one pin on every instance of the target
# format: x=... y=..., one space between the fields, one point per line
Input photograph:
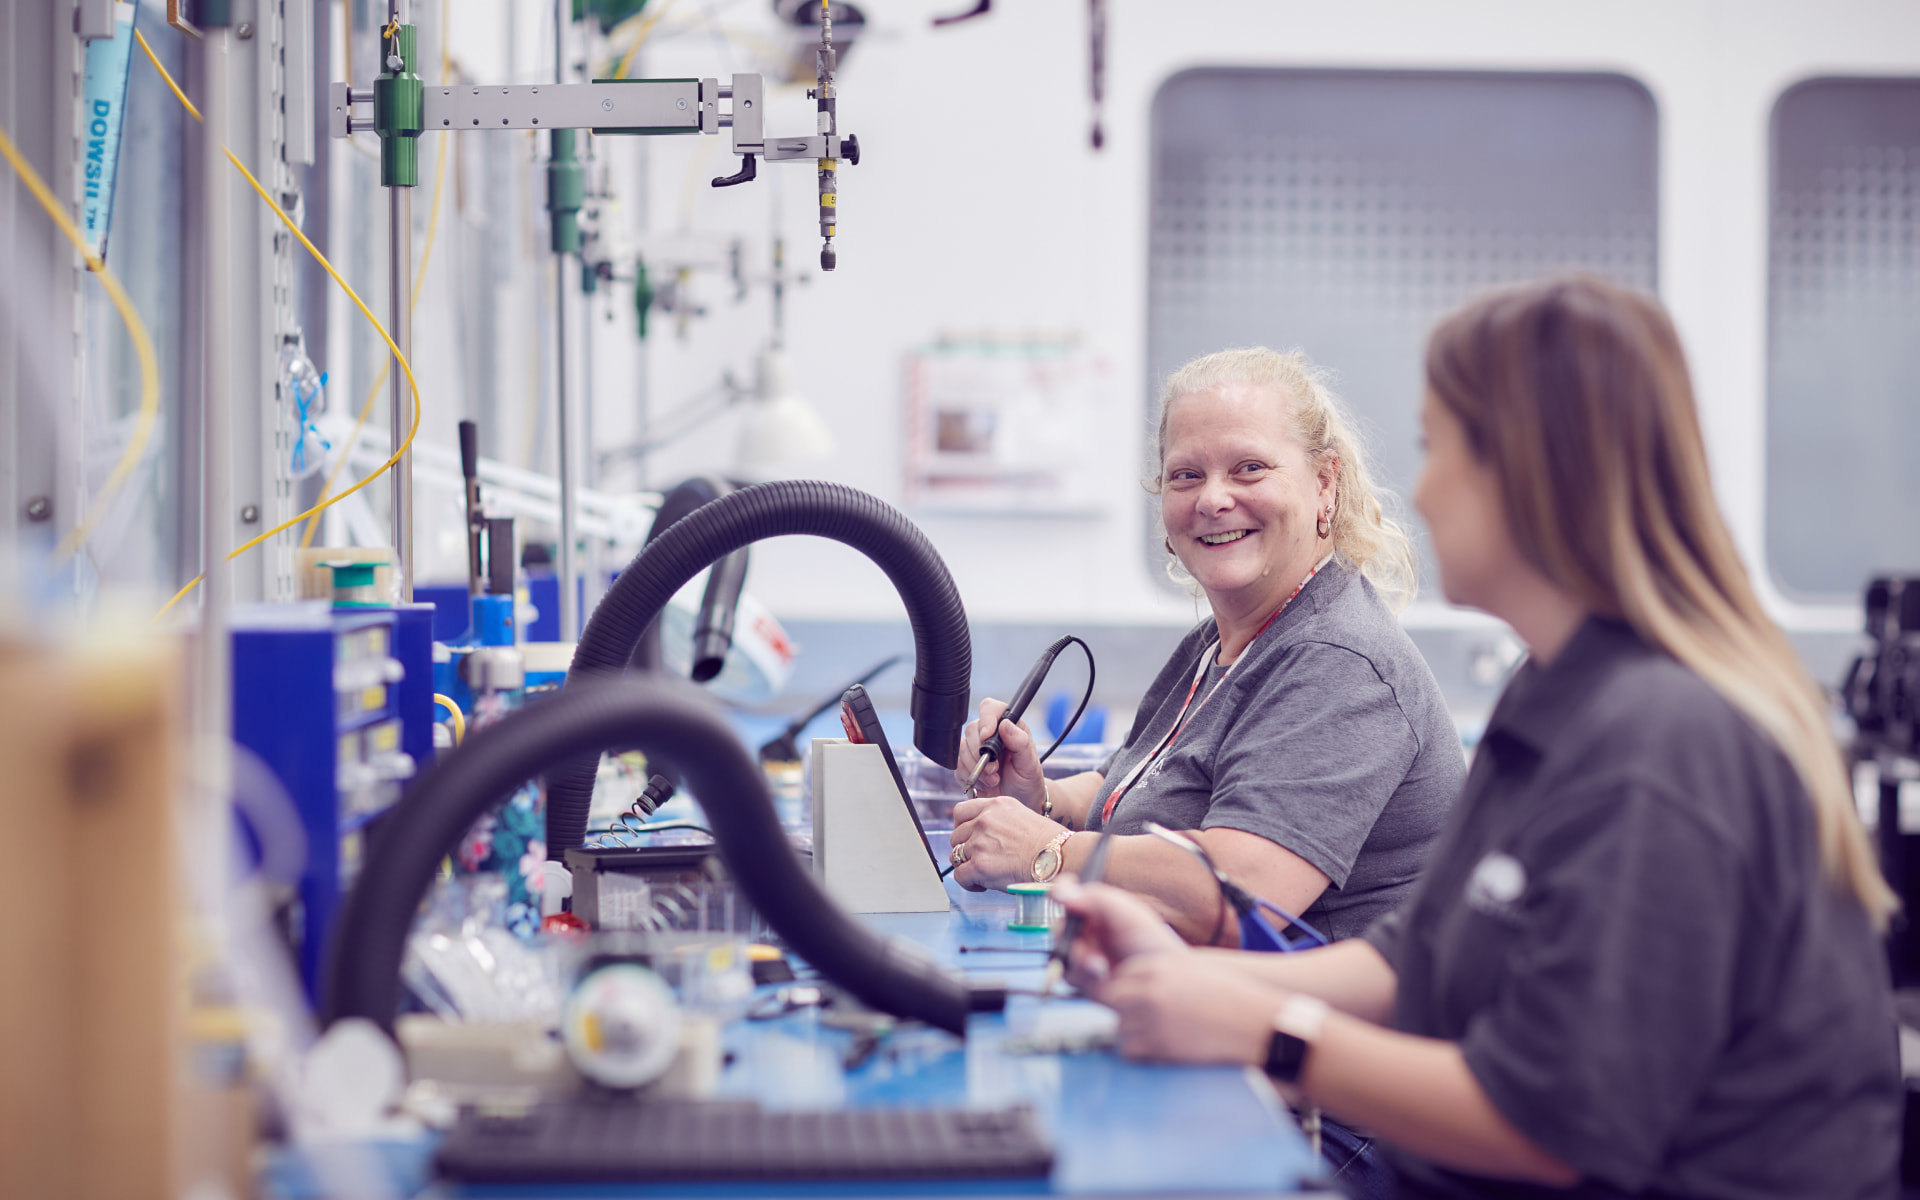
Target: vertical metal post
x=213 y=687
x=569 y=598
x=400 y=326
x=589 y=471
x=397 y=96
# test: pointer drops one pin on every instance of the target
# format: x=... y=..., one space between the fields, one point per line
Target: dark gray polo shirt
x=1328 y=737
x=1628 y=932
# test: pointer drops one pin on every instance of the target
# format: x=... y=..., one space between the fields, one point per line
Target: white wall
x=979 y=205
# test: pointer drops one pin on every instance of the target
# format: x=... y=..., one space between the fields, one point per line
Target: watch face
x=1286 y=1054
x=1047 y=865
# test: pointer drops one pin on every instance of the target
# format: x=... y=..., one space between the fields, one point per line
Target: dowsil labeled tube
x=104 y=109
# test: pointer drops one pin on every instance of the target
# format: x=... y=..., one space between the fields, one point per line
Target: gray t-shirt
x=1328 y=736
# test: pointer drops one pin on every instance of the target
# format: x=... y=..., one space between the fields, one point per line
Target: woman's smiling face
x=1239 y=495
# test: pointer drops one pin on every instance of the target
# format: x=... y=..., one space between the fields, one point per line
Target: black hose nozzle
x=943 y=651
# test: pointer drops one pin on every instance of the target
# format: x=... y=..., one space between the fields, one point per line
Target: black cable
x=1231 y=894
x=1085 y=697
x=782 y=747
x=1072 y=723
x=1219 y=911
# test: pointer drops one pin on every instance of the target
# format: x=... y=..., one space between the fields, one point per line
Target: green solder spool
x=1033 y=908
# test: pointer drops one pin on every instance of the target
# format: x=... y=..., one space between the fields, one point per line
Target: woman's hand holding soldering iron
x=1017 y=772
x=1175 y=1005
x=1115 y=929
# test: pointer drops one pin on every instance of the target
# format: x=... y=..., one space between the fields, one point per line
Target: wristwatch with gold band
x=1046 y=864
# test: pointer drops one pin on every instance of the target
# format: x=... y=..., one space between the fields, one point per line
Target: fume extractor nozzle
x=943 y=651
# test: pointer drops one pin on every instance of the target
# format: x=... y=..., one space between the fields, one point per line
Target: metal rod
x=569 y=598
x=213 y=688
x=400 y=326
x=589 y=476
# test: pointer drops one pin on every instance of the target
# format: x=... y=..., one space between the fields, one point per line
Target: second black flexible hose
x=585 y=719
x=943 y=651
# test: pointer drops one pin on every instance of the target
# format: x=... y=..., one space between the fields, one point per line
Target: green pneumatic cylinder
x=566 y=192
x=398 y=100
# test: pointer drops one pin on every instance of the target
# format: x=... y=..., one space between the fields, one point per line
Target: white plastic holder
x=556 y=884
x=867 y=848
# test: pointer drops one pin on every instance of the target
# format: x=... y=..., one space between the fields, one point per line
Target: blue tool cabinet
x=321 y=695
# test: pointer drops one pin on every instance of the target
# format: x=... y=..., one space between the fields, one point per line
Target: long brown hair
x=1575 y=390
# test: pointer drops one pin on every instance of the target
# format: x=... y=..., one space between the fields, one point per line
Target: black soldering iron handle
x=476 y=521
x=1094 y=871
x=1017 y=707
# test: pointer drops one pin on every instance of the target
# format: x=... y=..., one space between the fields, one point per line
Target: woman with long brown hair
x=1645 y=959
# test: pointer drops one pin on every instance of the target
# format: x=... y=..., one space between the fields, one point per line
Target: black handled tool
x=1070 y=928
x=991 y=749
x=476 y=518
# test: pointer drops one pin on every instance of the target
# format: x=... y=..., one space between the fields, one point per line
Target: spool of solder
x=1033 y=908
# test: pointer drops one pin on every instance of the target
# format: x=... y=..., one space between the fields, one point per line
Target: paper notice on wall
x=1006 y=425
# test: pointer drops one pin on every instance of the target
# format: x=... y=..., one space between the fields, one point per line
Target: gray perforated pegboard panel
x=1341 y=212
x=1843 y=372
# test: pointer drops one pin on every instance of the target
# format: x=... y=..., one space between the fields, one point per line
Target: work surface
x=1117 y=1127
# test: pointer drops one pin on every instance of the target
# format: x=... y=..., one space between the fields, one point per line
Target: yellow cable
x=454 y=717
x=646 y=27
x=142 y=347
x=419 y=284
x=166 y=78
x=358 y=303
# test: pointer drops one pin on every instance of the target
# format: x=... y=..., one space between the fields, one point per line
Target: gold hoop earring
x=1324 y=526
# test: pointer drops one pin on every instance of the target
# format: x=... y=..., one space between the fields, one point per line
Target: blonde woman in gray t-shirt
x=1296 y=732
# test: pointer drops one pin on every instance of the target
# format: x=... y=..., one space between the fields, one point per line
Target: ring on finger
x=958 y=855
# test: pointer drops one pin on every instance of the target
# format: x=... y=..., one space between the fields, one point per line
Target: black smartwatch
x=1295 y=1027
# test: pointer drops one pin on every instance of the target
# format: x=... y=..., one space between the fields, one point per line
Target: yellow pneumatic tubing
x=645 y=28
x=142 y=347
x=351 y=295
x=454 y=717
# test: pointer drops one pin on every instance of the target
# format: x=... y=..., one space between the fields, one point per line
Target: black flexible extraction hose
x=587 y=718
x=717 y=603
x=943 y=653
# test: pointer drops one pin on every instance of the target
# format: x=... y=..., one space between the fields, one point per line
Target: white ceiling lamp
x=781 y=430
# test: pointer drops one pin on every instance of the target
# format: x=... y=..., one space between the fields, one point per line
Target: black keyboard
x=605 y=1140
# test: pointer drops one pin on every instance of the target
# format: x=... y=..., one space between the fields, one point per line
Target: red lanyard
x=1181 y=719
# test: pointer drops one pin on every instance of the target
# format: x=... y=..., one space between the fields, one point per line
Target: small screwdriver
x=991 y=749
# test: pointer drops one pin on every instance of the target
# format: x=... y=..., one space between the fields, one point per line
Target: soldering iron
x=991 y=749
x=1070 y=928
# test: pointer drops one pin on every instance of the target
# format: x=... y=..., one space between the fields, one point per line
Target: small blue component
x=493 y=620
